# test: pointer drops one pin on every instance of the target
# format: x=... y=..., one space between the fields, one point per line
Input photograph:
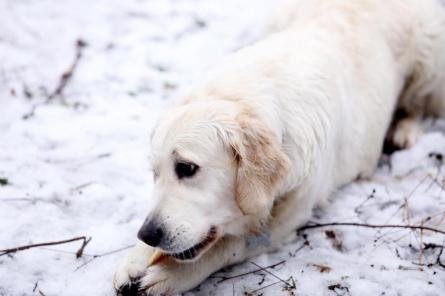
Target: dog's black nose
x=151 y=234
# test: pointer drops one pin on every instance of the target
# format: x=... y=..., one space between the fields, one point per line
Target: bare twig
x=358 y=209
x=421 y=241
x=35 y=286
x=407 y=198
x=226 y=278
x=392 y=232
x=265 y=270
x=93 y=257
x=262 y=288
x=293 y=254
x=439 y=255
x=79 y=253
x=413 y=227
x=438 y=261
x=66 y=76
x=64 y=79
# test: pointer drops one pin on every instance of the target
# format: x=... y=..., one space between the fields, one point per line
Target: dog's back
x=332 y=73
x=415 y=31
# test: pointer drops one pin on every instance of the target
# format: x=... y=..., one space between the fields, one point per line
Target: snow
x=79 y=167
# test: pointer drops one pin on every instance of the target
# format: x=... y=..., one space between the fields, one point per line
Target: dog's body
x=280 y=125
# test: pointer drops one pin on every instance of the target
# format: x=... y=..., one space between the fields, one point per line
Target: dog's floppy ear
x=262 y=165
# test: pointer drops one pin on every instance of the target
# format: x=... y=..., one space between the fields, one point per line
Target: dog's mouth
x=193 y=252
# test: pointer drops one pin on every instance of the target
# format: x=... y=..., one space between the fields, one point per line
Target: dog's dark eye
x=185 y=169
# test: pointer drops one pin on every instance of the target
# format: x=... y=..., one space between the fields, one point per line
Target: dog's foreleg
x=293 y=211
x=133 y=266
x=170 y=276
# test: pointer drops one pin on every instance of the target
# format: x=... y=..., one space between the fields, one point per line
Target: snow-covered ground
x=77 y=165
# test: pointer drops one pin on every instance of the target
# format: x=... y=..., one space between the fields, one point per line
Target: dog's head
x=216 y=169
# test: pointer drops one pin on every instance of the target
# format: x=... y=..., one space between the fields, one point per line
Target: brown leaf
x=336 y=243
x=322 y=268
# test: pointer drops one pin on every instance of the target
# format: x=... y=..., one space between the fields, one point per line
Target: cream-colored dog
x=242 y=160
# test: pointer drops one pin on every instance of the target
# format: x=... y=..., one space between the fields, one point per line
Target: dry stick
x=418 y=239
x=79 y=252
x=66 y=76
x=298 y=250
x=409 y=223
x=441 y=185
x=64 y=79
x=35 y=286
x=384 y=242
x=438 y=261
x=408 y=197
x=414 y=227
x=369 y=197
x=26 y=247
x=421 y=242
x=102 y=255
x=262 y=288
x=403 y=205
x=275 y=276
x=280 y=280
x=400 y=237
x=224 y=278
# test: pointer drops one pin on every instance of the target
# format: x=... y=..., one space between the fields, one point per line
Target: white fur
x=279 y=125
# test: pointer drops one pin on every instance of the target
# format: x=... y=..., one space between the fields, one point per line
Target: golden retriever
x=240 y=162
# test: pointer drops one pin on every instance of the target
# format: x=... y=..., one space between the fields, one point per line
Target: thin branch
x=262 y=288
x=265 y=270
x=357 y=209
x=438 y=261
x=299 y=249
x=66 y=76
x=93 y=257
x=64 y=79
x=226 y=278
x=413 y=227
x=79 y=253
x=408 y=197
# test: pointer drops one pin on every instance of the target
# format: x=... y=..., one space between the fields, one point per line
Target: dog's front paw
x=130 y=289
x=170 y=277
x=126 y=278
